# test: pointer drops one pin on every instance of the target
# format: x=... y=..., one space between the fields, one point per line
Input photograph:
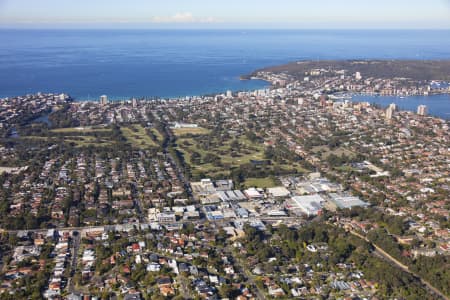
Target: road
x=179 y=169
x=240 y=266
x=138 y=203
x=251 y=280
x=81 y=229
x=76 y=239
x=380 y=252
x=184 y=285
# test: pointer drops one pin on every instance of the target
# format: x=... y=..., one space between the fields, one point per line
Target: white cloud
x=182 y=17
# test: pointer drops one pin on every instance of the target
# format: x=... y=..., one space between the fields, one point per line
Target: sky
x=349 y=14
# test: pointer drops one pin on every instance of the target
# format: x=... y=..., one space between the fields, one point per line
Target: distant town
x=290 y=192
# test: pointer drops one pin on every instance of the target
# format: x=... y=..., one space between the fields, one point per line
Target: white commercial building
x=278 y=192
x=310 y=205
x=343 y=201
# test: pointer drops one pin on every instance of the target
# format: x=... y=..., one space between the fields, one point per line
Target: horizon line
x=225 y=28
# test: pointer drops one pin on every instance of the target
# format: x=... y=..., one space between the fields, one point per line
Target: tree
x=196 y=158
x=228 y=291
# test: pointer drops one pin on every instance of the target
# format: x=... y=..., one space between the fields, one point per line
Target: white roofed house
x=153 y=267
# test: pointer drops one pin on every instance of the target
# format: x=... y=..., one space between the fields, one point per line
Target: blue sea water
x=169 y=63
x=438 y=105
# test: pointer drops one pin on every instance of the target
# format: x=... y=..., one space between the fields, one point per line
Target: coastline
x=273 y=77
x=265 y=85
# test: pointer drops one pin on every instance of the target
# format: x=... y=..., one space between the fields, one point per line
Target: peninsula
x=419 y=70
x=381 y=77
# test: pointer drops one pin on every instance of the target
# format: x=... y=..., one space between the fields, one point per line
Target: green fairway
x=186 y=131
x=215 y=157
x=137 y=136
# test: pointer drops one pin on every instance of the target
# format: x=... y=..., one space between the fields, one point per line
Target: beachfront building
x=422 y=110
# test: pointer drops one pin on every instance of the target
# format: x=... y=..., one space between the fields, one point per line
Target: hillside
x=413 y=69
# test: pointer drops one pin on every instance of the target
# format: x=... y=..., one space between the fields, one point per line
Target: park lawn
x=79 y=141
x=266 y=182
x=35 y=137
x=242 y=159
x=345 y=168
x=85 y=141
x=209 y=171
x=326 y=151
x=292 y=166
x=179 y=132
x=138 y=137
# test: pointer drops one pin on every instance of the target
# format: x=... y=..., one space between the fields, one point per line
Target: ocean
x=173 y=63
